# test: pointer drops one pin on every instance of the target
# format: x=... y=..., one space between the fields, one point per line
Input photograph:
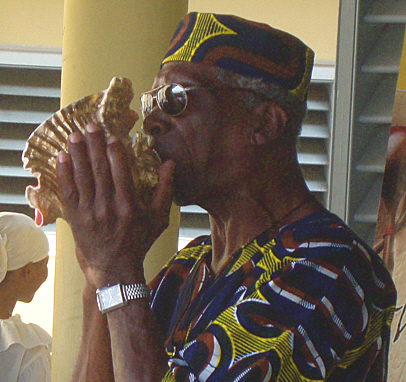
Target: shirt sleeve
x=298 y=325
x=36 y=365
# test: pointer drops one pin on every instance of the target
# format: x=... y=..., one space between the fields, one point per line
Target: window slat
x=29 y=117
x=14 y=171
x=389 y=11
x=368 y=209
x=12 y=144
x=385 y=56
x=374 y=156
x=380 y=105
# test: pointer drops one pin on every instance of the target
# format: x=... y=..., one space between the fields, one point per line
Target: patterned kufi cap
x=244 y=47
x=21 y=242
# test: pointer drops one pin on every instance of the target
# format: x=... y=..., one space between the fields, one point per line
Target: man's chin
x=184 y=189
x=182 y=199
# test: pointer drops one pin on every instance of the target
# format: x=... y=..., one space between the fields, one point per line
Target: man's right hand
x=112 y=229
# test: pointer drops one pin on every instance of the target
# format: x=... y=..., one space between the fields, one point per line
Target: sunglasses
x=171 y=99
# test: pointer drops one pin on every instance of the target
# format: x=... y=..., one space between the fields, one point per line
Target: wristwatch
x=112 y=297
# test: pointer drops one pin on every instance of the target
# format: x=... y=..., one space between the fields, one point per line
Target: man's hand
x=112 y=228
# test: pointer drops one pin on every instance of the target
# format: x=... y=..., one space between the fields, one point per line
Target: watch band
x=135 y=291
x=112 y=297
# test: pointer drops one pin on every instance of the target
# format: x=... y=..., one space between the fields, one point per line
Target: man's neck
x=239 y=221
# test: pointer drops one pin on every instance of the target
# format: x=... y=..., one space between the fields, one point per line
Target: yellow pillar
x=103 y=39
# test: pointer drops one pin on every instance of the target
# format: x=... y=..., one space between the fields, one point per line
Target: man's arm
x=133 y=337
x=113 y=233
x=94 y=362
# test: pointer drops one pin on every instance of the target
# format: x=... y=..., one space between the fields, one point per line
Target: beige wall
x=313 y=21
x=31 y=22
x=40 y=310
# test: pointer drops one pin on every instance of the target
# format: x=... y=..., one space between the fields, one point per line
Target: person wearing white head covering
x=25 y=349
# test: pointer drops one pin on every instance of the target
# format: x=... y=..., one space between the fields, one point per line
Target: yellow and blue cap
x=244 y=47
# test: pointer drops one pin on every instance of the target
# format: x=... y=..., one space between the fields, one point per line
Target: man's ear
x=269 y=121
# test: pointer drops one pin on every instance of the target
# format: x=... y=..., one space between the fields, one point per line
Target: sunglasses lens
x=172 y=99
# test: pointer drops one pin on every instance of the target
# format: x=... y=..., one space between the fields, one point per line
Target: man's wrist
x=117 y=275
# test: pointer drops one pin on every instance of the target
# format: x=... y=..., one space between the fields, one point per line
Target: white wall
x=40 y=310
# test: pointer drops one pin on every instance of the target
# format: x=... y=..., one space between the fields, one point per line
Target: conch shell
x=110 y=109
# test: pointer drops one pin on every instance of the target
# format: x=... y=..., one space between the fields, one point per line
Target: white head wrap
x=21 y=242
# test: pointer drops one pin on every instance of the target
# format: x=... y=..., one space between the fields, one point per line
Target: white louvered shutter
x=371 y=52
x=29 y=94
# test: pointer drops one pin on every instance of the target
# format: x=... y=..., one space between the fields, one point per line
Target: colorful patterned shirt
x=312 y=304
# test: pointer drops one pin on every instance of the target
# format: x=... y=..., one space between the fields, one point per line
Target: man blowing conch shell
x=281 y=289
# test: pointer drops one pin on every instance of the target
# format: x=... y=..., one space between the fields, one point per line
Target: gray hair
x=293 y=107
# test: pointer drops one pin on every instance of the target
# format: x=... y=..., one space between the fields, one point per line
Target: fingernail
x=92 y=127
x=75 y=137
x=111 y=139
x=62 y=157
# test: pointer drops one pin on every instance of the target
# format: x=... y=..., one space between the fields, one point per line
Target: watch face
x=110 y=297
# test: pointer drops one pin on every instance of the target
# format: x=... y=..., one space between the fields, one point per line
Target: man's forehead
x=184 y=73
